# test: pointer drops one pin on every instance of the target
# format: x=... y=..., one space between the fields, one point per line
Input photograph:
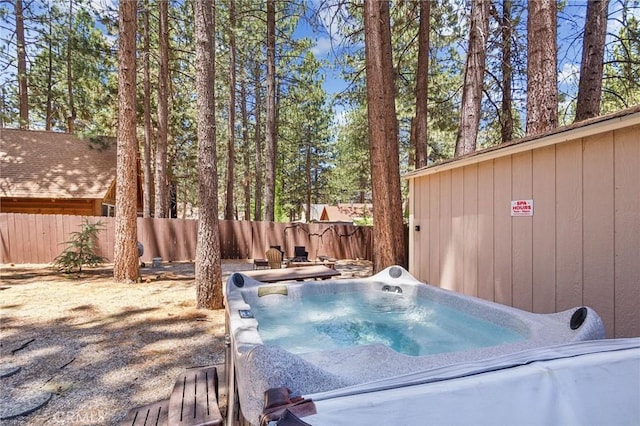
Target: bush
x=80 y=249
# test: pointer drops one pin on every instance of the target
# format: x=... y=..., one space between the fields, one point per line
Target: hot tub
x=335 y=348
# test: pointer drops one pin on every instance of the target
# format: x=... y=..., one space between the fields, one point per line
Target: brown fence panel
x=267 y=234
x=244 y=239
x=23 y=243
x=296 y=234
x=148 y=238
x=258 y=239
x=235 y=239
x=4 y=239
x=107 y=238
x=170 y=239
x=29 y=238
x=182 y=229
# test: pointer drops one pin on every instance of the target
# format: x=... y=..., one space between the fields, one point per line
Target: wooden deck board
x=194 y=399
x=155 y=414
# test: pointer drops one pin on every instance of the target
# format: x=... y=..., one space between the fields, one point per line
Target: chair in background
x=274 y=257
x=279 y=249
x=300 y=254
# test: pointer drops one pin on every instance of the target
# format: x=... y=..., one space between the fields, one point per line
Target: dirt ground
x=88 y=349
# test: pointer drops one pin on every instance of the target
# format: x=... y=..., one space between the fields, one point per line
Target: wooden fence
x=28 y=238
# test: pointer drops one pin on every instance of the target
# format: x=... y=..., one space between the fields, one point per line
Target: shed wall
x=580 y=247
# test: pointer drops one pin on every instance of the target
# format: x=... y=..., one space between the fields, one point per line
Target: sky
x=326 y=39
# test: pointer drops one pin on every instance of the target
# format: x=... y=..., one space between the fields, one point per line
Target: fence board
x=28 y=238
x=5 y=249
x=26 y=244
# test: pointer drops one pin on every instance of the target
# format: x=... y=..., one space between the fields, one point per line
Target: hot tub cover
x=592 y=382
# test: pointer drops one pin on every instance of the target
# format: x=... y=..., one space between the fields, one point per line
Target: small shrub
x=80 y=249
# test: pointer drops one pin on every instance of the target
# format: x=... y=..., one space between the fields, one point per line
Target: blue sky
x=322 y=49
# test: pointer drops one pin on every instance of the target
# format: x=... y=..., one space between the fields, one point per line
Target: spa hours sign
x=522 y=208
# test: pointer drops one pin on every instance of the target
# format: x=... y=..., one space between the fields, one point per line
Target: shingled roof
x=38 y=164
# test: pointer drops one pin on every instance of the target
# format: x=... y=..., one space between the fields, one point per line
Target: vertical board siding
x=544 y=230
x=522 y=279
x=424 y=234
x=581 y=247
x=470 y=230
x=502 y=231
x=420 y=261
x=447 y=257
x=4 y=238
x=569 y=225
x=24 y=241
x=627 y=232
x=433 y=238
x=486 y=249
x=456 y=281
x=598 y=233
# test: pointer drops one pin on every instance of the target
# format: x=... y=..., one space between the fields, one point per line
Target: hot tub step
x=193 y=402
x=154 y=414
x=194 y=399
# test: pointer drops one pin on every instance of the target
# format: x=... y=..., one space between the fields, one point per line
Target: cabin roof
x=42 y=164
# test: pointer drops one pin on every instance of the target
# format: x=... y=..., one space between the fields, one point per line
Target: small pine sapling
x=80 y=249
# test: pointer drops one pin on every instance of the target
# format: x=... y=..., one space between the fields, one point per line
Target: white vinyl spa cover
x=584 y=383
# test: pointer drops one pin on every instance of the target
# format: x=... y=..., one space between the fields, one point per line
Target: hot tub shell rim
x=247 y=346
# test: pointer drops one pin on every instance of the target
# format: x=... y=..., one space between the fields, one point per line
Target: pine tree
x=80 y=249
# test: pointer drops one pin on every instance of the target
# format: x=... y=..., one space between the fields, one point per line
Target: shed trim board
x=580 y=246
x=559 y=136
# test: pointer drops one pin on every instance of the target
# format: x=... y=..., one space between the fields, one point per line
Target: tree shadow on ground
x=98 y=364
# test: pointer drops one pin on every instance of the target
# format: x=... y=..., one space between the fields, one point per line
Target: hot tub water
x=325 y=322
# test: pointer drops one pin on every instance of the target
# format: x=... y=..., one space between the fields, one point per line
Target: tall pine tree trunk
x=147 y=209
x=307 y=168
x=419 y=133
x=246 y=147
x=23 y=93
x=271 y=136
x=257 y=215
x=231 y=149
x=506 y=116
x=473 y=78
x=48 y=121
x=71 y=118
x=162 y=181
x=208 y=269
x=125 y=253
x=542 y=64
x=388 y=235
x=591 y=68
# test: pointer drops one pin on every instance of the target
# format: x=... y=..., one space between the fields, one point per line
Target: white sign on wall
x=522 y=208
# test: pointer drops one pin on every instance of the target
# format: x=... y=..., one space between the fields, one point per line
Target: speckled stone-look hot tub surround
x=258 y=367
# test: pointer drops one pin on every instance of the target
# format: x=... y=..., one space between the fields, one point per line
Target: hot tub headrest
x=237 y=279
x=578 y=318
x=395 y=272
